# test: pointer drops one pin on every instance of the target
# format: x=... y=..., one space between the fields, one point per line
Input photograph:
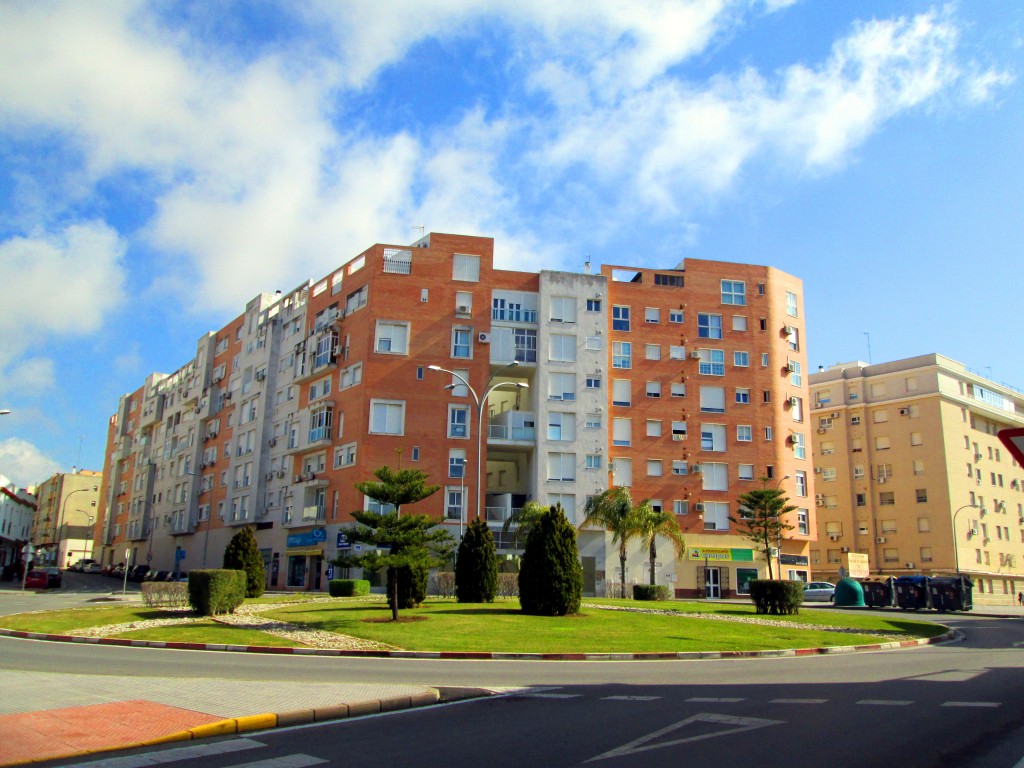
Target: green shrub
x=444 y=584
x=476 y=568
x=412 y=585
x=214 y=591
x=243 y=554
x=551 y=577
x=348 y=587
x=650 y=592
x=164 y=594
x=779 y=598
x=508 y=585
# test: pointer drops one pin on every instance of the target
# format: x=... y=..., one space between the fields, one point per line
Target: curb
x=266 y=721
x=488 y=655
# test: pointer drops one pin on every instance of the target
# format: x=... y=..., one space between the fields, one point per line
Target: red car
x=36 y=579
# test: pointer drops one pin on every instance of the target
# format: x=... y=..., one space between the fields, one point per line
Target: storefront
x=304 y=559
x=717 y=572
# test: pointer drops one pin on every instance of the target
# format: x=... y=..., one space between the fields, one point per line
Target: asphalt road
x=958 y=704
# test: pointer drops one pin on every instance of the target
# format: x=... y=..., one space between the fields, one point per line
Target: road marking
x=174 y=755
x=285 y=761
x=735 y=725
x=971 y=704
x=699 y=700
x=885 y=702
x=798 y=701
x=552 y=695
x=631 y=698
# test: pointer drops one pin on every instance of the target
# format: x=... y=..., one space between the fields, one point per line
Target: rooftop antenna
x=869 y=345
x=586 y=265
x=421 y=228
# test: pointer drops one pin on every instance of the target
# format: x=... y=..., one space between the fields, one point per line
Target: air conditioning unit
x=904 y=411
x=794 y=401
x=695 y=355
x=261 y=375
x=698 y=507
x=336 y=350
x=280 y=473
x=677 y=438
x=834 y=536
x=483 y=338
x=817 y=470
x=462 y=309
x=297 y=479
x=908 y=565
x=272 y=442
x=978 y=457
x=880 y=539
x=844 y=549
x=790 y=330
x=695 y=469
x=791 y=366
x=268 y=476
x=972 y=532
x=881 y=479
x=834 y=415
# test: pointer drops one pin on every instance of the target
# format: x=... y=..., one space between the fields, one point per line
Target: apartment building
x=910 y=472
x=62 y=529
x=17 y=509
x=503 y=386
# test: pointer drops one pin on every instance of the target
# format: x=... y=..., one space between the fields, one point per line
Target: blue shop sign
x=308 y=538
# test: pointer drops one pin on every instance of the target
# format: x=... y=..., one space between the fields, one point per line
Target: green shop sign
x=720 y=554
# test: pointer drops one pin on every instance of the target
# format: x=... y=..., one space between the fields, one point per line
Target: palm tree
x=523 y=519
x=655 y=523
x=762 y=517
x=613 y=510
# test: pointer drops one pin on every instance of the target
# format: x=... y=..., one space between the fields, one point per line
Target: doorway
x=712 y=582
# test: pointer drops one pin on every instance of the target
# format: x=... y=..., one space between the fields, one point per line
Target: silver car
x=819 y=592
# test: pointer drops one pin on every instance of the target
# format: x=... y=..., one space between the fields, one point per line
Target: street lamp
x=63 y=515
x=480 y=402
x=5 y=411
x=956 y=549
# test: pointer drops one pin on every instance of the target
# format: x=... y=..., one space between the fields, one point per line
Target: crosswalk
x=219 y=750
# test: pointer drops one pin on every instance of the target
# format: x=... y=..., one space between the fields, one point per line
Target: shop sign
x=307 y=538
x=721 y=554
x=794 y=560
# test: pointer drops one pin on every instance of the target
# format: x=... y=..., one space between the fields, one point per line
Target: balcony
x=500 y=514
x=310 y=480
x=512 y=427
x=397 y=261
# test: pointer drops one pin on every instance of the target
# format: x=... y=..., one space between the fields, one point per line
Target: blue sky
x=163 y=162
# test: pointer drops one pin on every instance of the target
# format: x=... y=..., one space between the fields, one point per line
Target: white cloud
x=36 y=375
x=25 y=464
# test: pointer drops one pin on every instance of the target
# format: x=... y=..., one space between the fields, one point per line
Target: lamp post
x=956 y=548
x=480 y=401
x=63 y=515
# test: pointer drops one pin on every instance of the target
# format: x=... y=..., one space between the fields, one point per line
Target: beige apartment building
x=910 y=471
x=64 y=524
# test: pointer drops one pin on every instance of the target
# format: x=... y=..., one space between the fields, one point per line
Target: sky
x=161 y=163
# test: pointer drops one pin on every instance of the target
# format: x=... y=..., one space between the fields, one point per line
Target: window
x=654 y=467
x=654 y=428
x=345 y=455
x=745 y=472
x=922 y=495
x=862 y=499
x=678 y=430
x=466 y=267
x=795 y=375
x=734 y=292
x=562 y=467
x=319 y=425
x=676 y=352
x=454 y=503
x=675 y=316
x=622 y=471
x=592 y=421
x=715 y=476
x=742 y=395
x=709 y=326
x=828 y=474
x=739 y=322
x=712 y=399
x=387 y=417
x=593 y=461
x=392 y=338
x=652 y=315
x=678 y=389
x=620 y=318
x=712 y=362
x=674 y=281
x=458 y=421
x=855 y=421
x=744 y=433
x=563 y=348
x=915 y=438
x=881 y=443
x=595 y=343
x=562 y=386
x=880 y=416
x=680 y=507
x=593 y=305
x=652 y=351
x=622 y=431
x=621 y=354
x=712 y=437
x=767 y=434
x=461 y=342
x=679 y=467
x=918 y=466
x=801 y=482
x=802 y=522
x=457 y=463
x=355 y=300
x=828 y=448
x=791 y=308
x=886 y=498
x=716 y=516
x=561 y=426
x=563 y=309
x=593 y=381
x=764 y=359
x=653 y=389
x=799 y=445
x=525 y=342
x=741 y=359
x=621 y=394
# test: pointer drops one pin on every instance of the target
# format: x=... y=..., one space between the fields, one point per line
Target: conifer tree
x=476 y=569
x=243 y=554
x=550 y=576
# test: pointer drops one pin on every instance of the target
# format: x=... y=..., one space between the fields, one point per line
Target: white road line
x=885 y=703
x=699 y=700
x=552 y=695
x=285 y=761
x=631 y=698
x=194 y=752
x=971 y=704
x=727 y=723
x=798 y=701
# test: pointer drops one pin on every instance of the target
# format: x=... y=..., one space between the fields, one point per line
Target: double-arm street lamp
x=956 y=548
x=63 y=518
x=481 y=401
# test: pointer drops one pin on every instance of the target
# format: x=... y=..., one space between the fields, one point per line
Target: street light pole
x=956 y=548
x=63 y=515
x=480 y=401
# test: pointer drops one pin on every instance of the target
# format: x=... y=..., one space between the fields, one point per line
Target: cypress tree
x=243 y=554
x=550 y=576
x=476 y=569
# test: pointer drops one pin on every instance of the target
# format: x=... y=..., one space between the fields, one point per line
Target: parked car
x=36 y=579
x=117 y=571
x=53 y=578
x=819 y=591
x=80 y=565
x=138 y=572
x=158 y=575
x=93 y=567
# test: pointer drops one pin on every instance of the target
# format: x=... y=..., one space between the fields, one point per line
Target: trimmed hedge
x=777 y=597
x=348 y=587
x=650 y=592
x=212 y=591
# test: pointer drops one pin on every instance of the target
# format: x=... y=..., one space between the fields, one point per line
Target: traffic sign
x=1013 y=439
x=179 y=554
x=343 y=542
x=149 y=557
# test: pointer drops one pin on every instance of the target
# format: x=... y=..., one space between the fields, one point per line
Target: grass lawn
x=500 y=627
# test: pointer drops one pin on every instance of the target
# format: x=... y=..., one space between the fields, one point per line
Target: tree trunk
x=393 y=597
x=622 y=567
x=768 y=557
x=654 y=555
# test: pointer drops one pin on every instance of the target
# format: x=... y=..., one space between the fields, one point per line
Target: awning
x=304 y=551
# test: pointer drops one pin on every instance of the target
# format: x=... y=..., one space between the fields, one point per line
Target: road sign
x=179 y=554
x=149 y=557
x=1013 y=439
x=343 y=542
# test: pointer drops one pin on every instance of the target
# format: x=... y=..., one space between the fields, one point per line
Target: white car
x=819 y=592
x=93 y=567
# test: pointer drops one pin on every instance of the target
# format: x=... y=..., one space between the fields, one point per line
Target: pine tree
x=476 y=569
x=550 y=576
x=243 y=554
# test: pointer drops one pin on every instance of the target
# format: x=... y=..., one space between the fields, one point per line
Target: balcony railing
x=503 y=432
x=500 y=514
x=397 y=262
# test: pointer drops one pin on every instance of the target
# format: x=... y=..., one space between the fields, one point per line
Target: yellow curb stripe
x=219 y=728
x=256 y=722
